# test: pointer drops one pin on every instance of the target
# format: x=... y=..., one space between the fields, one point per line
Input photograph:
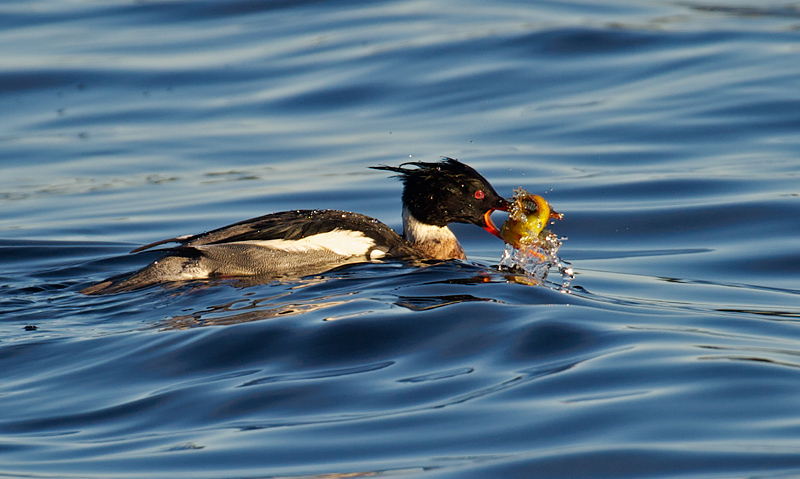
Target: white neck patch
x=417 y=232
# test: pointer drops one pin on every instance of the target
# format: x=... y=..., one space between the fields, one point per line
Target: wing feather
x=296 y=225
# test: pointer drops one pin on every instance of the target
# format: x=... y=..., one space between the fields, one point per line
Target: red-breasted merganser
x=313 y=241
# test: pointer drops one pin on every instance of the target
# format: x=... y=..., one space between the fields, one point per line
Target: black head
x=448 y=192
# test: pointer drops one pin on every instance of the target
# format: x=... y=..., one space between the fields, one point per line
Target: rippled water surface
x=667 y=133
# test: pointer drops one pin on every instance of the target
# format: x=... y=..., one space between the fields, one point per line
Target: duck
x=304 y=242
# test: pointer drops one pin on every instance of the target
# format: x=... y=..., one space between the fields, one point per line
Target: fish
x=528 y=215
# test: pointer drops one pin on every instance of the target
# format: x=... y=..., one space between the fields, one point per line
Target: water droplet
x=537 y=260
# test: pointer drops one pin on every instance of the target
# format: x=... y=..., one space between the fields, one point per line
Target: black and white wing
x=342 y=231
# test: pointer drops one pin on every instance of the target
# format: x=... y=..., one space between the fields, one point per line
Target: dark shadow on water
x=785 y=11
x=423 y=303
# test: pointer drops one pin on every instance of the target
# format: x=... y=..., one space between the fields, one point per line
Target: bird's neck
x=437 y=242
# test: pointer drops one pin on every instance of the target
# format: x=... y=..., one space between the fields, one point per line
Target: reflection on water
x=289 y=302
x=422 y=303
x=236 y=312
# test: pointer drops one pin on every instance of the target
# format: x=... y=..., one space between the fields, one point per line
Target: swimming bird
x=293 y=243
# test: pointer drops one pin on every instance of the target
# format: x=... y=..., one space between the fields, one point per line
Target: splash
x=530 y=248
x=537 y=261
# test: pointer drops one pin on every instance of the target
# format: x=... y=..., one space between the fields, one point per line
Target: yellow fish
x=527 y=218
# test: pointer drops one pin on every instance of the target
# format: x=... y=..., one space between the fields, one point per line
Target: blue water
x=667 y=133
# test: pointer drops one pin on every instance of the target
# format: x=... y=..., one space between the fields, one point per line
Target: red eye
x=479 y=194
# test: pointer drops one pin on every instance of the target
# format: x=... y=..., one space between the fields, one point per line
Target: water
x=666 y=132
